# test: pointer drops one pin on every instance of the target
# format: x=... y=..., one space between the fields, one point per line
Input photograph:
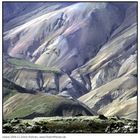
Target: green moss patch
x=21 y=63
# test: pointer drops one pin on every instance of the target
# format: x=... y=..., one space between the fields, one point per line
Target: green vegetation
x=21 y=63
x=19 y=103
x=24 y=105
x=82 y=124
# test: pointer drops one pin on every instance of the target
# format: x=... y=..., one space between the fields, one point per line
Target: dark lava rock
x=44 y=129
x=102 y=117
x=100 y=124
x=120 y=127
x=33 y=129
x=7 y=128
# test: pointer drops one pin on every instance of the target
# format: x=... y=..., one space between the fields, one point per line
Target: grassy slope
x=21 y=63
x=23 y=105
x=17 y=104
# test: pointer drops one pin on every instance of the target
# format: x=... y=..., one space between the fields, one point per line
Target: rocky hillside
x=85 y=52
x=114 y=72
x=21 y=103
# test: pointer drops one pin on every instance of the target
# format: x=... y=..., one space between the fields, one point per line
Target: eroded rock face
x=50 y=82
x=71 y=33
x=113 y=72
x=32 y=79
x=95 y=48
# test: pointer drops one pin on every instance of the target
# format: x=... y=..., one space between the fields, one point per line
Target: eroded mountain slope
x=64 y=37
x=79 y=50
x=114 y=74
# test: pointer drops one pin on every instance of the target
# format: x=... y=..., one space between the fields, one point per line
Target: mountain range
x=69 y=59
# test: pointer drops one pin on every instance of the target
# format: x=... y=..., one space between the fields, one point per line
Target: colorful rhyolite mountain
x=85 y=52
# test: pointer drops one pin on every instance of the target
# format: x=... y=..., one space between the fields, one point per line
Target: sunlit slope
x=63 y=37
x=85 y=51
x=24 y=105
x=114 y=75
